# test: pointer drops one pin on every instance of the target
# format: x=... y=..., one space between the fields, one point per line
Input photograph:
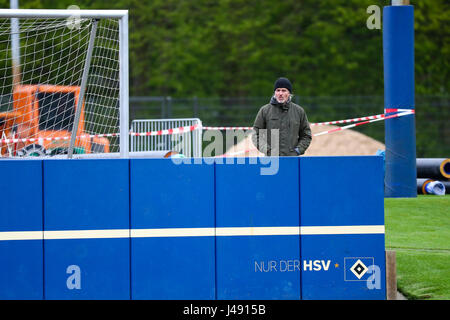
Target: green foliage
x=432 y=48
x=237 y=48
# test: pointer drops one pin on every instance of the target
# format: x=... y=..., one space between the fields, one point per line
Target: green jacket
x=291 y=121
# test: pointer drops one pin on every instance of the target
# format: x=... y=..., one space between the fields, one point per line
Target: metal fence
x=188 y=143
x=432 y=114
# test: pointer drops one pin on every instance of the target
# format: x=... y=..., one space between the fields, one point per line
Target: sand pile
x=340 y=143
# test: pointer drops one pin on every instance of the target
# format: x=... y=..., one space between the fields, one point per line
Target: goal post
x=71 y=96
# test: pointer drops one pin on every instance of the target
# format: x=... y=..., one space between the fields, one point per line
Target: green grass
x=418 y=230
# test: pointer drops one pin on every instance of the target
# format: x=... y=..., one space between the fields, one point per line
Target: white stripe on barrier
x=86 y=234
x=189 y=232
x=342 y=230
x=21 y=235
x=257 y=231
x=172 y=232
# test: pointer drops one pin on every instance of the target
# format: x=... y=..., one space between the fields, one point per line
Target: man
x=284 y=120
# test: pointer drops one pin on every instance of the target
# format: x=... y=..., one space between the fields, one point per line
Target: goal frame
x=122 y=16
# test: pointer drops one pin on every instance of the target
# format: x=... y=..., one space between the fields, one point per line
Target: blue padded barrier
x=87 y=195
x=251 y=266
x=21 y=262
x=176 y=196
x=311 y=228
x=345 y=257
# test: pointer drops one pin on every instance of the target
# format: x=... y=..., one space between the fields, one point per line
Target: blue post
x=400 y=138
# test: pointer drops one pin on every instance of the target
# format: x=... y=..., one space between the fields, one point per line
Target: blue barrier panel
x=86 y=229
x=21 y=261
x=172 y=220
x=342 y=227
x=257 y=219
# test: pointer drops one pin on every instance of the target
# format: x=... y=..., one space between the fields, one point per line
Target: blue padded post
x=400 y=139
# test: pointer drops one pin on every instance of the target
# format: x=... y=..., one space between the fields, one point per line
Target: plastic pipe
x=433 y=168
x=430 y=186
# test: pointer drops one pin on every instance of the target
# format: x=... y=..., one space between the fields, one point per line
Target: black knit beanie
x=283 y=83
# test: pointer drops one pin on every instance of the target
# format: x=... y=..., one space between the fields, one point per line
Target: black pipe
x=433 y=168
x=447 y=186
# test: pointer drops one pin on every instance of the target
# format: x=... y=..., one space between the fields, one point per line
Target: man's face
x=282 y=94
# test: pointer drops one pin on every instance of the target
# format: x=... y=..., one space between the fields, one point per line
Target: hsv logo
x=357 y=268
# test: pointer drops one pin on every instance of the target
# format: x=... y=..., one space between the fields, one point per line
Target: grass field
x=418 y=230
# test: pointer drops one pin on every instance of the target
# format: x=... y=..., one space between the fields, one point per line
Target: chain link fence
x=432 y=114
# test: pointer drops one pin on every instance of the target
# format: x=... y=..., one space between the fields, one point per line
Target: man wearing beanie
x=282 y=119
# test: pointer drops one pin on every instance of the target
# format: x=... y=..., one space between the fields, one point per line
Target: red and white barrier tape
x=185 y=129
x=40 y=140
x=378 y=116
x=151 y=133
x=391 y=110
x=404 y=113
x=227 y=128
x=168 y=131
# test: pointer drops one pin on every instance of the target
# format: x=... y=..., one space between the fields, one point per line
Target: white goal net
x=63 y=88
